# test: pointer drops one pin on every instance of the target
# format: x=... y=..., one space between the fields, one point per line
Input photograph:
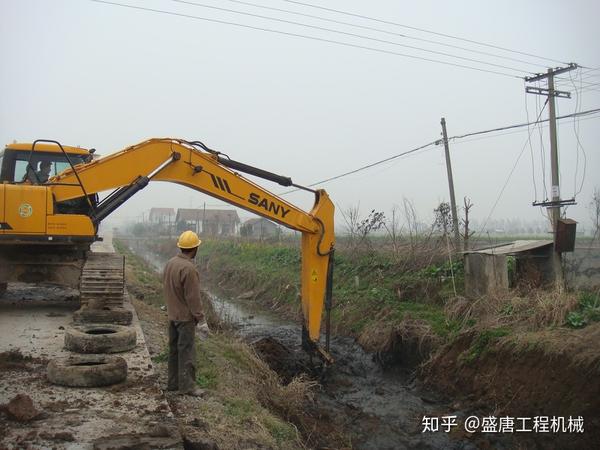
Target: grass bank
x=529 y=352
x=372 y=294
x=246 y=405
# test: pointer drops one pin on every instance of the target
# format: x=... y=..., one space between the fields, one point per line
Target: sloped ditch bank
x=357 y=403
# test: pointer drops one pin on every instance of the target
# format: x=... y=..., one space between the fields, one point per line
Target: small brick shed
x=486 y=269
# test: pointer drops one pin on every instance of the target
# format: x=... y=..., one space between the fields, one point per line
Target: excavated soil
x=547 y=379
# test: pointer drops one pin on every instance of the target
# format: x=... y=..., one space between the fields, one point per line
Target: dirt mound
x=21 y=408
x=15 y=360
x=281 y=359
x=405 y=345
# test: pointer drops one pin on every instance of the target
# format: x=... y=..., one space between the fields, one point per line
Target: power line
x=519 y=125
x=590 y=70
x=381 y=30
x=589 y=75
x=345 y=33
x=533 y=180
x=579 y=144
x=423 y=30
x=539 y=125
x=438 y=142
x=314 y=38
x=368 y=166
x=512 y=170
x=587 y=83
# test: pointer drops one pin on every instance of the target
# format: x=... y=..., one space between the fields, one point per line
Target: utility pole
x=555 y=204
x=457 y=245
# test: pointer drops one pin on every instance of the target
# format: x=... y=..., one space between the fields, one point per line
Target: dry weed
x=533 y=310
x=551 y=308
x=410 y=333
x=288 y=400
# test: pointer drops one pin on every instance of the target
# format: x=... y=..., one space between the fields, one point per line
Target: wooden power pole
x=457 y=245
x=555 y=203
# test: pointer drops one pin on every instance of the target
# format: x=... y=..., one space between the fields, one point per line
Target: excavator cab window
x=17 y=166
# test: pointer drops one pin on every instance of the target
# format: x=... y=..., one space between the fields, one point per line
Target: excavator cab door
x=23 y=209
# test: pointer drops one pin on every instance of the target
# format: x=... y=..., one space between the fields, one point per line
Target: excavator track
x=103 y=280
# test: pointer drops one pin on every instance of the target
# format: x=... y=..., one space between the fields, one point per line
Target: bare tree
x=351 y=216
x=443 y=218
x=373 y=222
x=412 y=221
x=359 y=229
x=394 y=231
x=466 y=232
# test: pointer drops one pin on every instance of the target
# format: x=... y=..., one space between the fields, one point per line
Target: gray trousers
x=182 y=356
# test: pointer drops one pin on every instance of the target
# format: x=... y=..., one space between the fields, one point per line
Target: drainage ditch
x=358 y=403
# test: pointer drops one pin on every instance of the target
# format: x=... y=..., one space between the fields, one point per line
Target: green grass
x=483 y=342
x=241 y=409
x=161 y=357
x=431 y=314
x=207 y=378
x=588 y=310
x=251 y=265
x=364 y=284
x=281 y=431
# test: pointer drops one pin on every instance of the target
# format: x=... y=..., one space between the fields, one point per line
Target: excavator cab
x=32 y=223
x=19 y=164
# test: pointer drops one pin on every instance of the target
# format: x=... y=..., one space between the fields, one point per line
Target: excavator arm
x=193 y=165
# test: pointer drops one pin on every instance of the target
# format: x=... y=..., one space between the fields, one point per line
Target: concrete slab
x=129 y=411
x=131 y=414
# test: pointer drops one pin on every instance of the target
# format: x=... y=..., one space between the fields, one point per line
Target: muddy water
x=370 y=408
x=373 y=408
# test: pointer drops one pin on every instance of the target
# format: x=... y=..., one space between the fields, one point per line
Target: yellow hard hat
x=188 y=239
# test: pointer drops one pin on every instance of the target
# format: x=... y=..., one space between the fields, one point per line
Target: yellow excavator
x=50 y=213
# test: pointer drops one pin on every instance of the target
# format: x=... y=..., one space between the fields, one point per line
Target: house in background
x=208 y=222
x=162 y=219
x=259 y=228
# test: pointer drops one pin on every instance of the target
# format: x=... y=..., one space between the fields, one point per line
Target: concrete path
x=129 y=414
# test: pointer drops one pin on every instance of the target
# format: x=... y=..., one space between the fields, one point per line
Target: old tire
x=99 y=338
x=114 y=315
x=87 y=370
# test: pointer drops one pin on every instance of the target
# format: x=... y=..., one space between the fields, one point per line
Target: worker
x=43 y=174
x=30 y=174
x=184 y=309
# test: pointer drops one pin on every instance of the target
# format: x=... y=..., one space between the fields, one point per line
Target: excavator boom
x=186 y=163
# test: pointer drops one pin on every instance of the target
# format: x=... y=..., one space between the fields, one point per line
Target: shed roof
x=513 y=248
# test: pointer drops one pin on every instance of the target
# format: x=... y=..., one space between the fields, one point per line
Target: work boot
x=196 y=392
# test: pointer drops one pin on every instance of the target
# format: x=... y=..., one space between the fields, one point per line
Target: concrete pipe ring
x=87 y=370
x=99 y=338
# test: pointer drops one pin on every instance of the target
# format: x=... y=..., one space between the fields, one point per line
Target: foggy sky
x=107 y=77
